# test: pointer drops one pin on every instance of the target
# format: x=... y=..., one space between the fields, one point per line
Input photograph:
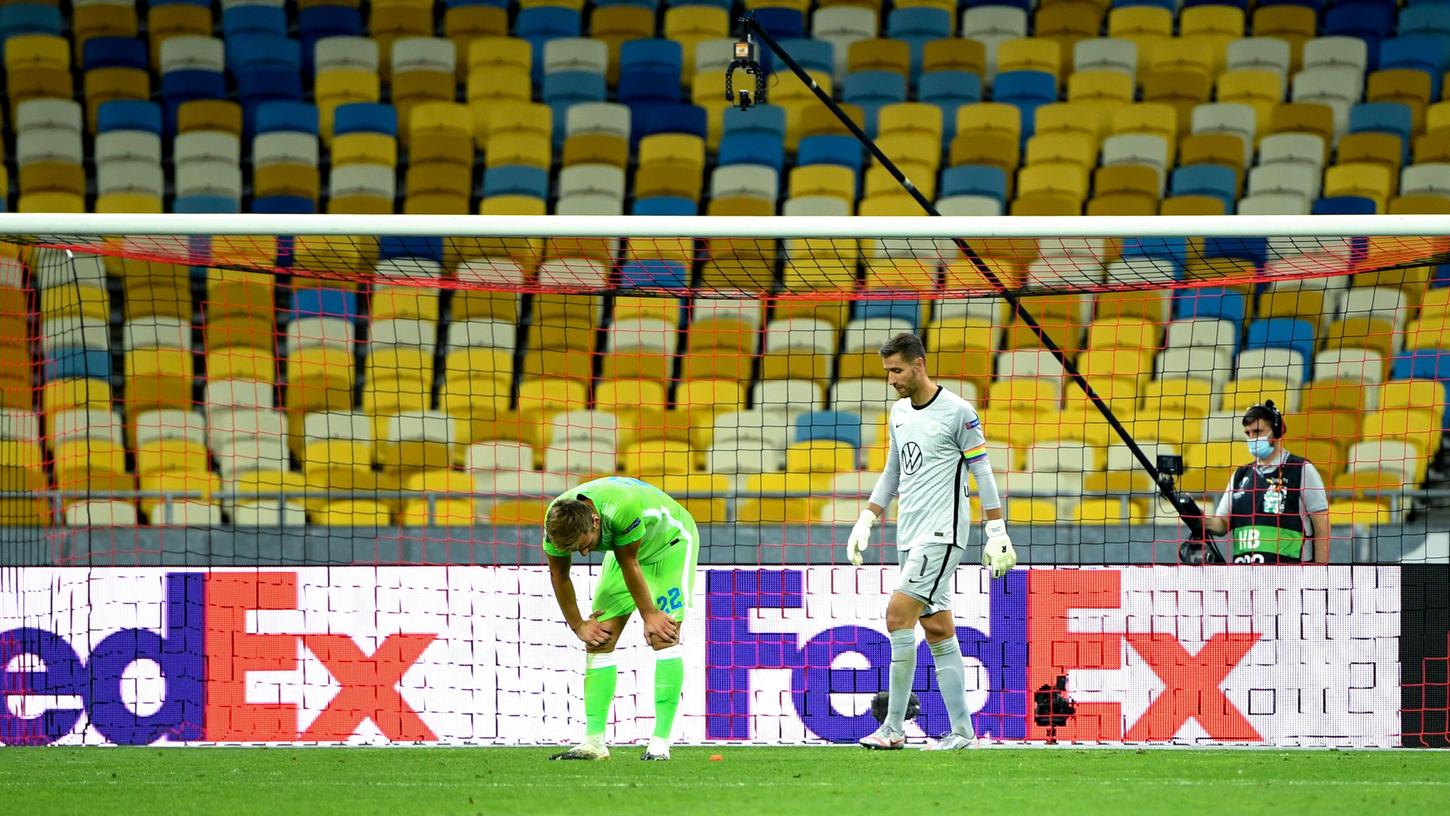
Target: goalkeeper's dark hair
x=1270 y=414
x=568 y=520
x=908 y=345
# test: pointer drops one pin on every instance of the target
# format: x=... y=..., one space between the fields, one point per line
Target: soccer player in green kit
x=651 y=545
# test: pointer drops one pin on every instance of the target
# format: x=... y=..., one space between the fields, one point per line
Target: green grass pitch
x=833 y=781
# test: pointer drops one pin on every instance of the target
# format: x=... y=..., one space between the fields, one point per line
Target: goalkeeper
x=650 y=544
x=935 y=437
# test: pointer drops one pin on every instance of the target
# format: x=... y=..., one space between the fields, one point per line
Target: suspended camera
x=1052 y=708
x=745 y=60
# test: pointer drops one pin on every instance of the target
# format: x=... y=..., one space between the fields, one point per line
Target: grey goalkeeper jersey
x=932 y=447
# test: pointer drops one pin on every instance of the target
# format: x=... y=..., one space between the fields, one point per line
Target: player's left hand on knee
x=997 y=554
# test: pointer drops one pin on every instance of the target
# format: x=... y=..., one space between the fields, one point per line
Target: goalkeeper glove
x=998 y=554
x=860 y=537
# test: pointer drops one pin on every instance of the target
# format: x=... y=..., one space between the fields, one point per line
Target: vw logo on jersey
x=911 y=458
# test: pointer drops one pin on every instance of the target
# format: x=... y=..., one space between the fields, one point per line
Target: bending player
x=935 y=436
x=650 y=544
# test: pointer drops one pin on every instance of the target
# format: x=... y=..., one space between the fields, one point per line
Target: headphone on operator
x=1270 y=413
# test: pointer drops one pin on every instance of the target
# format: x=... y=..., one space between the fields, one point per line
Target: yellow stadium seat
x=1183 y=89
x=820 y=456
x=777 y=511
x=519 y=512
x=170 y=455
x=1074 y=147
x=618 y=24
x=1061 y=177
x=101 y=20
x=1031 y=511
x=880 y=54
x=1241 y=394
x=1374 y=148
x=691 y=25
x=1358 y=513
x=69 y=394
x=465 y=24
x=1372 y=181
x=209 y=114
x=1103 y=86
x=1099 y=511
x=107 y=84
x=164 y=21
x=240 y=362
x=1030 y=54
x=158 y=378
x=1090 y=119
x=1068 y=22
x=352 y=513
x=30 y=51
x=444 y=512
x=954 y=54
x=1307 y=117
x=320 y=378
x=1293 y=24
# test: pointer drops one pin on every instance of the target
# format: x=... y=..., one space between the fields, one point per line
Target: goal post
x=361 y=419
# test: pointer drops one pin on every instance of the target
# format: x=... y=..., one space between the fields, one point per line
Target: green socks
x=669 y=680
x=600 y=674
x=599 y=679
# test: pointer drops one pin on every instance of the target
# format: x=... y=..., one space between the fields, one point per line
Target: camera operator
x=1273 y=503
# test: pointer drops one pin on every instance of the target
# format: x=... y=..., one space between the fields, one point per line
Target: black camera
x=1052 y=708
x=1170 y=464
x=882 y=700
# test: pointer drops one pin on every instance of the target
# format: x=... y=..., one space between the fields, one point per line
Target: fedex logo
x=205 y=655
x=1029 y=644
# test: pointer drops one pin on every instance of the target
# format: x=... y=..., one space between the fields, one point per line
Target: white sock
x=903 y=673
x=658 y=746
x=593 y=741
x=952 y=680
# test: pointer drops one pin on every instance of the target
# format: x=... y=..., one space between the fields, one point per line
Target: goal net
x=371 y=414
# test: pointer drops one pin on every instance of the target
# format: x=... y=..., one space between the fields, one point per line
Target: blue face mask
x=1260 y=447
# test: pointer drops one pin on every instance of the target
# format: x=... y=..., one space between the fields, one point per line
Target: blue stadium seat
x=184 y=86
x=650 y=86
x=241 y=20
x=753 y=148
x=974 y=179
x=647 y=120
x=365 y=117
x=1215 y=180
x=1433 y=364
x=1370 y=21
x=781 y=23
x=1423 y=52
x=289 y=116
x=114 y=52
x=873 y=90
x=1384 y=117
x=1425 y=18
x=199 y=204
x=319 y=22
x=656 y=54
x=565 y=88
x=1174 y=250
x=325 y=302
x=830 y=149
x=1344 y=205
x=28 y=18
x=284 y=205
x=917 y=26
x=766 y=119
x=949 y=90
x=251 y=51
x=1284 y=332
x=75 y=362
x=1212 y=301
x=539 y=24
x=653 y=273
x=907 y=310
x=128 y=114
x=664 y=205
x=1243 y=248
x=831 y=426
x=1029 y=87
x=412 y=246
x=516 y=179
x=813 y=55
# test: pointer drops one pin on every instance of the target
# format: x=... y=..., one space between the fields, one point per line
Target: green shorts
x=671 y=580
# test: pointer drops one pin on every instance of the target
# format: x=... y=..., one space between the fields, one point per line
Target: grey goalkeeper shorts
x=926 y=574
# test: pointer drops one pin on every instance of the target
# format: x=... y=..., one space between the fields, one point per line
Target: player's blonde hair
x=568 y=520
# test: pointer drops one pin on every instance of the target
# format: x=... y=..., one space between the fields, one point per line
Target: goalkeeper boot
x=884 y=739
x=952 y=742
x=655 y=756
x=583 y=752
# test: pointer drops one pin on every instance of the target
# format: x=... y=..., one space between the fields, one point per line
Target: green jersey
x=630 y=511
